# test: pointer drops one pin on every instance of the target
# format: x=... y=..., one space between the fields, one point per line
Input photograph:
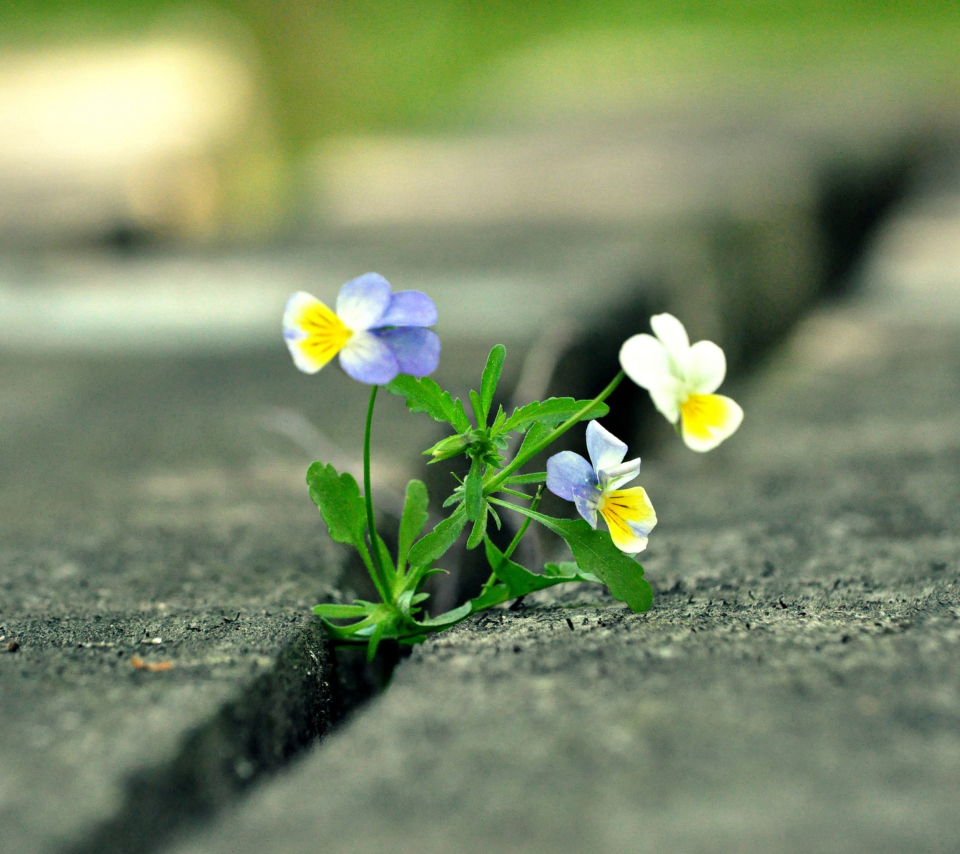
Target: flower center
x=700 y=413
x=326 y=333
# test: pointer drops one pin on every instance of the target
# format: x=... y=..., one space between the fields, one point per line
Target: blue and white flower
x=377 y=334
x=594 y=487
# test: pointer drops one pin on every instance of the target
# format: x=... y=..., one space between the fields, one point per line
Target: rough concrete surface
x=794 y=688
x=154 y=506
x=130 y=533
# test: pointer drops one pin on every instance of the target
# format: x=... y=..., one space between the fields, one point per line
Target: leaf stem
x=523 y=528
x=368 y=500
x=551 y=437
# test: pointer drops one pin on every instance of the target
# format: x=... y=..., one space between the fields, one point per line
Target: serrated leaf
x=340 y=503
x=595 y=553
x=426 y=550
x=552 y=411
x=491 y=377
x=415 y=516
x=424 y=395
x=473 y=490
x=519 y=580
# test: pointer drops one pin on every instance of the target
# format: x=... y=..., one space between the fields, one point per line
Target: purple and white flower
x=377 y=334
x=594 y=487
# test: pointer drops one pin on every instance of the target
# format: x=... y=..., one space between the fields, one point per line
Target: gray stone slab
x=160 y=496
x=147 y=516
x=793 y=689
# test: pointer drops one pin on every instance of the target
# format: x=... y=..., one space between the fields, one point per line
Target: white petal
x=605 y=449
x=674 y=337
x=706 y=368
x=614 y=478
x=644 y=359
x=667 y=397
x=368 y=359
x=363 y=301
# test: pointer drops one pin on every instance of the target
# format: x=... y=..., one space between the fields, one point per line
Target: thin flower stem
x=379 y=577
x=523 y=528
x=551 y=437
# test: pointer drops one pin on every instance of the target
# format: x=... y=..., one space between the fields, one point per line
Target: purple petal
x=605 y=449
x=363 y=301
x=368 y=359
x=417 y=349
x=568 y=474
x=409 y=308
x=587 y=500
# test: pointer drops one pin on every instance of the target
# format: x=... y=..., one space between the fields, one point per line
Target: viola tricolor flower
x=377 y=334
x=593 y=487
x=681 y=380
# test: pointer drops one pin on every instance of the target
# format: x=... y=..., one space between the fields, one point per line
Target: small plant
x=383 y=339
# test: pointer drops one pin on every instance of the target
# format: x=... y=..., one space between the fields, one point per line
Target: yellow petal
x=321 y=335
x=708 y=419
x=630 y=517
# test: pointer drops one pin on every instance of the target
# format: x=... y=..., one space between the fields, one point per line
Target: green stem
x=551 y=437
x=380 y=576
x=523 y=528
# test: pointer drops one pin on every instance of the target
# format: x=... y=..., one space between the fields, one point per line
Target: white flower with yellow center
x=681 y=380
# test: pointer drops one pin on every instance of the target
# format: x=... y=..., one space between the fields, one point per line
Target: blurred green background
x=357 y=66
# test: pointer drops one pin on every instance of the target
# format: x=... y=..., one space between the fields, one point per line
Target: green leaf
x=533 y=477
x=426 y=550
x=374 y=642
x=538 y=433
x=498 y=423
x=490 y=378
x=595 y=553
x=424 y=395
x=520 y=581
x=340 y=503
x=553 y=411
x=460 y=421
x=473 y=489
x=568 y=567
x=415 y=516
x=386 y=560
x=478 y=413
x=479 y=529
x=340 y=612
x=444 y=621
x=494 y=594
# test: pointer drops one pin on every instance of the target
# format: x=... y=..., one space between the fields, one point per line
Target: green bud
x=452 y=446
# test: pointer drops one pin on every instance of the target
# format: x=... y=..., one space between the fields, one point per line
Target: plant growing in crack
x=383 y=339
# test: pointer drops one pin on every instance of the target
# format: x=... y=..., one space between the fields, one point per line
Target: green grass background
x=353 y=66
